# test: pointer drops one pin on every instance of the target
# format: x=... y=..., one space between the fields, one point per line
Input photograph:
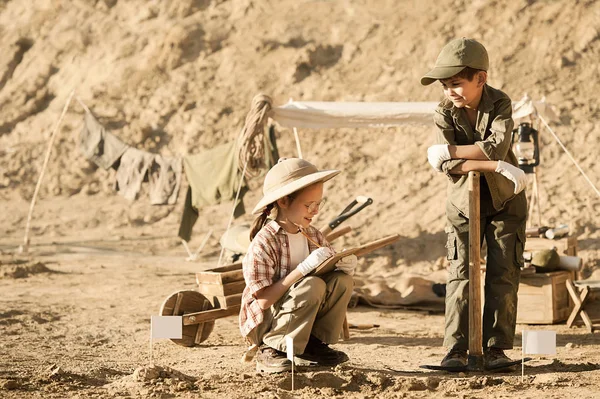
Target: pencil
x=308 y=238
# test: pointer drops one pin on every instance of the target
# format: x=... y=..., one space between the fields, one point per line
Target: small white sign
x=289 y=346
x=169 y=327
x=539 y=342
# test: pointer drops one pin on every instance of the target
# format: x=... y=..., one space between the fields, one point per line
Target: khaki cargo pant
x=504 y=233
x=312 y=306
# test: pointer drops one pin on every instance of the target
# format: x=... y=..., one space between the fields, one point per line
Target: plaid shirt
x=267 y=261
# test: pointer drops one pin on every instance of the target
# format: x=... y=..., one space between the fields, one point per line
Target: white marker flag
x=169 y=327
x=289 y=346
x=539 y=342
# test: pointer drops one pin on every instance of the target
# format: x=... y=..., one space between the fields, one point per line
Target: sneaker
x=320 y=353
x=269 y=360
x=495 y=358
x=456 y=358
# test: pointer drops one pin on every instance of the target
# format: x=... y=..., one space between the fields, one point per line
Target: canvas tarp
x=331 y=115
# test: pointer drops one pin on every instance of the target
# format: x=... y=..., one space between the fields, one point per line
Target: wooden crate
x=222 y=286
x=543 y=298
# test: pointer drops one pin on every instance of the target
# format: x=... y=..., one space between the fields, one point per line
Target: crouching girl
x=281 y=298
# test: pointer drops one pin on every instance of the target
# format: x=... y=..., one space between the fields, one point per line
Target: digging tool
x=349 y=211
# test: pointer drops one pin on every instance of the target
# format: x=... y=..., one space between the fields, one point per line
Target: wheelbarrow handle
x=349 y=211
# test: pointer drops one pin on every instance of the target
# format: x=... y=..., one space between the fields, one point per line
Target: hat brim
x=294 y=186
x=438 y=73
x=236 y=239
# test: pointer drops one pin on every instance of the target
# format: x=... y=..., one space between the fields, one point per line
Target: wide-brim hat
x=456 y=56
x=236 y=239
x=289 y=176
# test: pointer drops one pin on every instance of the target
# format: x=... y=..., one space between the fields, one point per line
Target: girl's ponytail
x=260 y=221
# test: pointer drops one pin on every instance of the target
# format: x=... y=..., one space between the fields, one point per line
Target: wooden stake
x=25 y=246
x=297 y=138
x=475 y=332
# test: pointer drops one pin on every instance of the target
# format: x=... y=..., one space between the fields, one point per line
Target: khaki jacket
x=492 y=134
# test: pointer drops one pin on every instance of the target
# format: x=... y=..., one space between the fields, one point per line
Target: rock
x=570 y=345
x=9 y=385
x=416 y=385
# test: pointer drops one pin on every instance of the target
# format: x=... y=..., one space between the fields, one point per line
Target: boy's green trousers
x=504 y=233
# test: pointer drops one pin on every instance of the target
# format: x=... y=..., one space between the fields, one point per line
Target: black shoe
x=269 y=360
x=320 y=353
x=495 y=358
x=456 y=358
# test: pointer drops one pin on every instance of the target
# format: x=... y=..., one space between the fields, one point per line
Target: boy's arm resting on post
x=497 y=144
x=445 y=135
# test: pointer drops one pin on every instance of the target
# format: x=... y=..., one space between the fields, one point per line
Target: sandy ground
x=176 y=78
x=75 y=323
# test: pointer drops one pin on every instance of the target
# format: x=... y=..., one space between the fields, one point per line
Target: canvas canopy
x=322 y=115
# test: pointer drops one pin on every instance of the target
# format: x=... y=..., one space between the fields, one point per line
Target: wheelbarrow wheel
x=184 y=302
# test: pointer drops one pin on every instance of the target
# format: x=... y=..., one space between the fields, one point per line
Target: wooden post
x=475 y=330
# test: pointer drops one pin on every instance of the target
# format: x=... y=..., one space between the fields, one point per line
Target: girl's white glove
x=514 y=174
x=313 y=260
x=347 y=264
x=437 y=154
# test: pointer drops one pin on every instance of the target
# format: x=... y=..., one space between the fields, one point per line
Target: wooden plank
x=178 y=304
x=209 y=315
x=225 y=302
x=219 y=278
x=200 y=329
x=475 y=328
x=233 y=288
x=338 y=233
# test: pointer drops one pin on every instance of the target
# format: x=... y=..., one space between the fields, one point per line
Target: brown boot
x=269 y=360
x=495 y=359
x=320 y=353
x=455 y=358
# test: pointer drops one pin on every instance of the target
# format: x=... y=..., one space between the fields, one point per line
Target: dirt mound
x=21 y=268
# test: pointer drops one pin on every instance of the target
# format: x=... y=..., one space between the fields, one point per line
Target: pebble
x=569 y=345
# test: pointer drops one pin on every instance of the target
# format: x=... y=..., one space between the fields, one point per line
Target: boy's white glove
x=514 y=174
x=347 y=264
x=437 y=154
x=313 y=260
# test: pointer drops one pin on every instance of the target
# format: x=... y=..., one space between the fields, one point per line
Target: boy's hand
x=437 y=154
x=347 y=264
x=514 y=174
x=313 y=260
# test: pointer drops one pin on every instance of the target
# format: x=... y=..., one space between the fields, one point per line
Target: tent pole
x=570 y=156
x=297 y=138
x=25 y=246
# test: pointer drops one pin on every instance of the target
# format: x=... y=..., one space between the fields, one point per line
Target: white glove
x=347 y=264
x=313 y=260
x=514 y=174
x=437 y=154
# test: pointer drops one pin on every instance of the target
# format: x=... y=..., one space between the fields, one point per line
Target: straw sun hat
x=287 y=177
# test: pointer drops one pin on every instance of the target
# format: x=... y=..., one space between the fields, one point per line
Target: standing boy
x=474 y=134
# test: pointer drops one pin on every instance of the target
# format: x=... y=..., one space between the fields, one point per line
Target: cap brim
x=438 y=73
x=305 y=181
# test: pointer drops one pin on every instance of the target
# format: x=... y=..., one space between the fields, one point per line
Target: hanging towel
x=132 y=171
x=98 y=145
x=164 y=178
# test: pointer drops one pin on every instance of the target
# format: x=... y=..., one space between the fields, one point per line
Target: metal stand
x=534 y=201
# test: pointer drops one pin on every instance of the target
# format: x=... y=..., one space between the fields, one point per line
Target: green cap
x=456 y=56
x=546 y=259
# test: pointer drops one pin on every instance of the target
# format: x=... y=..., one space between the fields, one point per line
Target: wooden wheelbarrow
x=220 y=295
